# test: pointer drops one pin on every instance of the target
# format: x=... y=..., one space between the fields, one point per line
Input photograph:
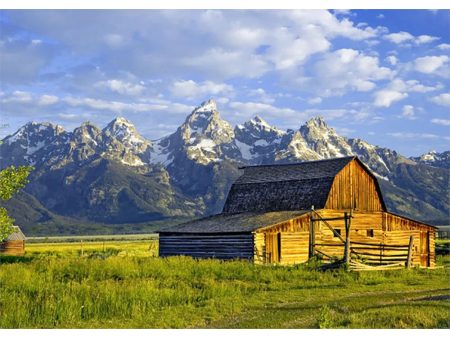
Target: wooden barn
x=287 y=214
x=14 y=244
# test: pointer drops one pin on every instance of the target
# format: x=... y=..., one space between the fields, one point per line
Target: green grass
x=58 y=288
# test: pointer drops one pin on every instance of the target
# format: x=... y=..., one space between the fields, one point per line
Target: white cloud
x=398 y=90
x=46 y=100
x=315 y=100
x=403 y=37
x=221 y=63
x=421 y=39
x=399 y=37
x=408 y=112
x=348 y=69
x=248 y=109
x=442 y=122
x=444 y=46
x=121 y=87
x=392 y=59
x=442 y=99
x=192 y=89
x=384 y=98
x=429 y=64
x=407 y=135
x=114 y=106
x=261 y=95
x=17 y=96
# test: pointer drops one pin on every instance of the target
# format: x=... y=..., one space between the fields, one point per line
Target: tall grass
x=177 y=292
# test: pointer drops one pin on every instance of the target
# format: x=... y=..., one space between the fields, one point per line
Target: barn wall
x=398 y=231
x=294 y=247
x=222 y=246
x=387 y=229
x=12 y=248
x=354 y=188
x=260 y=248
x=294 y=240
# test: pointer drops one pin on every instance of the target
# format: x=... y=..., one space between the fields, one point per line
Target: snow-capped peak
x=120 y=127
x=35 y=130
x=318 y=122
x=430 y=156
x=207 y=106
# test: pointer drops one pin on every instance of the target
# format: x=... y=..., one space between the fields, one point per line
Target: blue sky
x=380 y=75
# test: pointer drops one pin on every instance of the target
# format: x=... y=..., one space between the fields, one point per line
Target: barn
x=14 y=244
x=289 y=213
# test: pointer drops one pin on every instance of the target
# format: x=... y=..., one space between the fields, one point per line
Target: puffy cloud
x=442 y=99
x=444 y=46
x=408 y=112
x=385 y=97
x=429 y=64
x=17 y=96
x=421 y=39
x=397 y=90
x=221 y=44
x=402 y=37
x=192 y=89
x=254 y=108
x=262 y=95
x=399 y=37
x=442 y=122
x=392 y=59
x=121 y=87
x=348 y=69
x=46 y=100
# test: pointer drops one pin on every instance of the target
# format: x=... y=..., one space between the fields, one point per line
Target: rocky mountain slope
x=115 y=176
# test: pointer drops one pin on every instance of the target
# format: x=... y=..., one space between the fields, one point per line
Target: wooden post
x=347 y=239
x=410 y=248
x=312 y=236
x=81 y=241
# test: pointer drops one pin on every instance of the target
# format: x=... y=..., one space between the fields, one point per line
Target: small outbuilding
x=14 y=244
x=290 y=213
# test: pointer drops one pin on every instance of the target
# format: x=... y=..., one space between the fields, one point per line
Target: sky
x=379 y=75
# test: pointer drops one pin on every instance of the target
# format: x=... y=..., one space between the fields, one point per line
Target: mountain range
x=113 y=179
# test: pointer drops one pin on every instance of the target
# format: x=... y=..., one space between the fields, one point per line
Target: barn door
x=273 y=248
x=424 y=248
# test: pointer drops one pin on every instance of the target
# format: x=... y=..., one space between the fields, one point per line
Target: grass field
x=120 y=285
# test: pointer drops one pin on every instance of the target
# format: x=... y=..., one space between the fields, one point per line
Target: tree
x=11 y=180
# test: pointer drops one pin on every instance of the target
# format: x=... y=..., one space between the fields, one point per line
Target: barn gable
x=302 y=185
x=355 y=187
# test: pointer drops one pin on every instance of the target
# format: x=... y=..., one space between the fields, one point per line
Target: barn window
x=370 y=233
x=336 y=232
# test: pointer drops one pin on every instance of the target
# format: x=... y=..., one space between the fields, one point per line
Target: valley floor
x=121 y=285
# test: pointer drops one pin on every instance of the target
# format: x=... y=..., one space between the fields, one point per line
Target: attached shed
x=14 y=244
x=287 y=214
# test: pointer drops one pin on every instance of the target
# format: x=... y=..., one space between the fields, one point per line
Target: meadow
x=121 y=284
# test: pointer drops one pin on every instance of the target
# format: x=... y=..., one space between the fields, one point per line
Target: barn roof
x=232 y=223
x=17 y=235
x=296 y=186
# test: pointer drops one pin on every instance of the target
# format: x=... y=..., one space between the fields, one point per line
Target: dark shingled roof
x=17 y=235
x=295 y=186
x=232 y=223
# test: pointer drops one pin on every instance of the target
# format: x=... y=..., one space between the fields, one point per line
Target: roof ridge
x=289 y=180
x=298 y=163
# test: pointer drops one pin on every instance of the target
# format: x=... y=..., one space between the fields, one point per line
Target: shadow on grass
x=14 y=259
